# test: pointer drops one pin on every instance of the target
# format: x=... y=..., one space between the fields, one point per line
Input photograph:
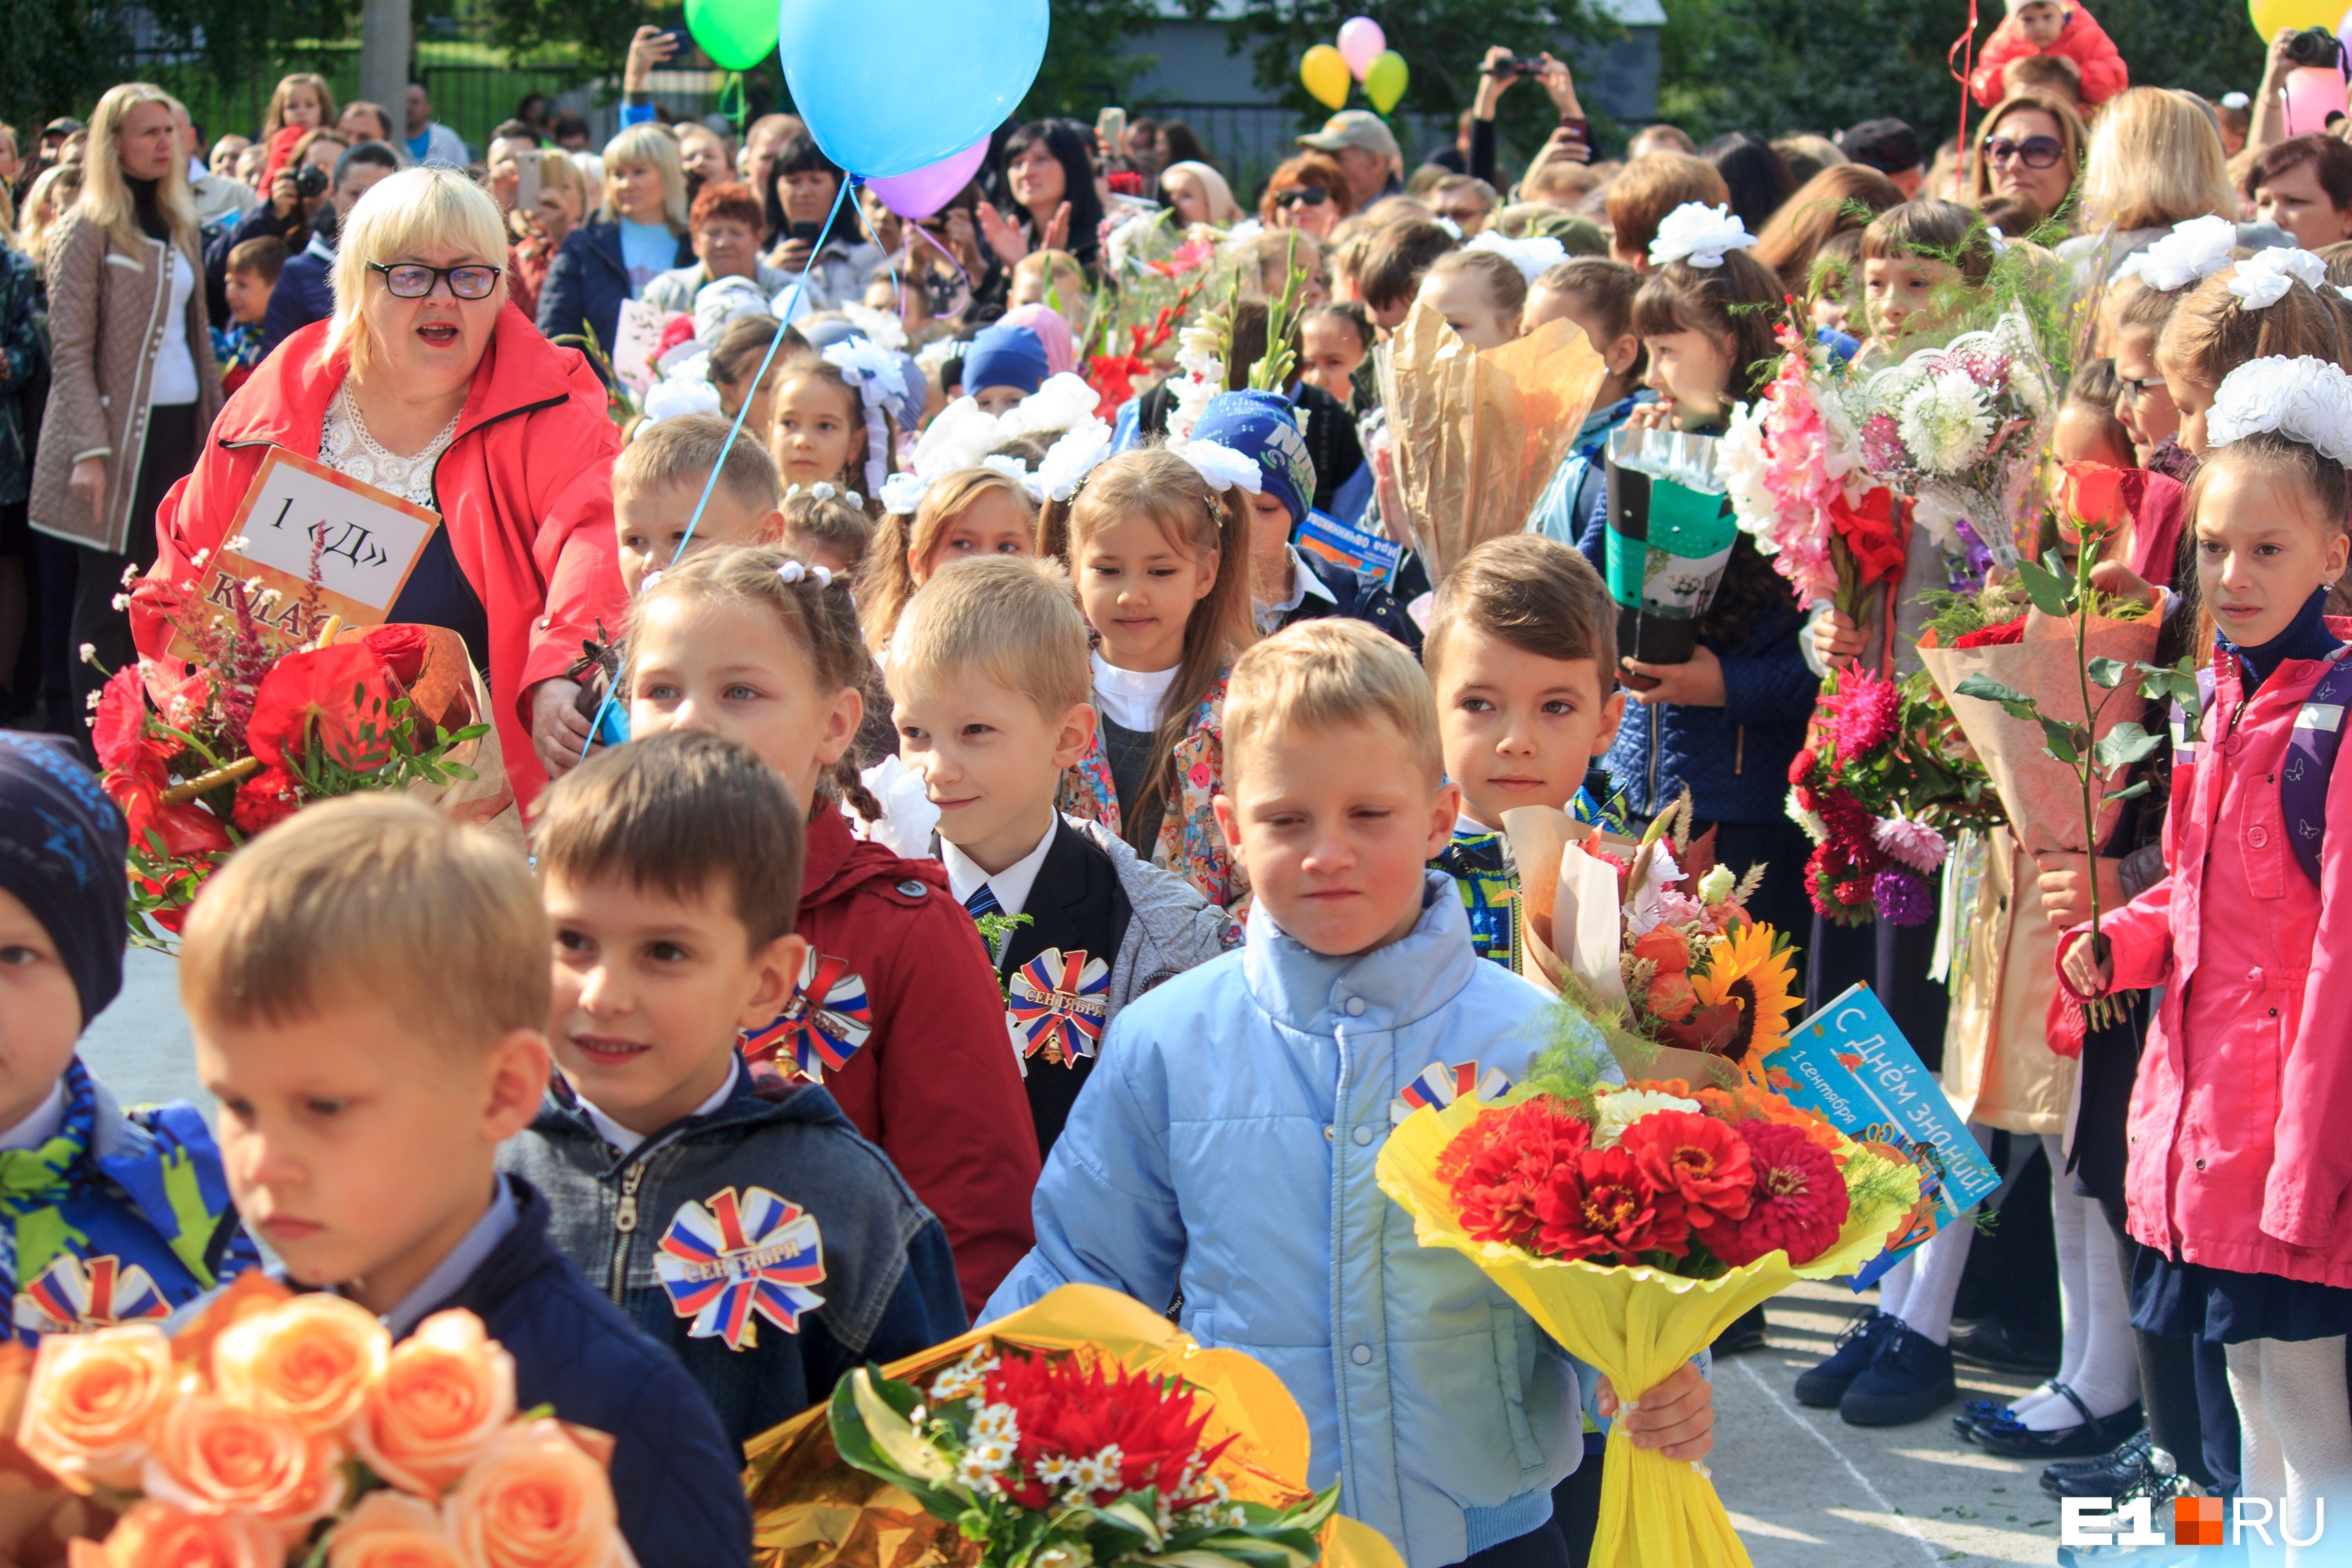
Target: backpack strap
x=2310 y=761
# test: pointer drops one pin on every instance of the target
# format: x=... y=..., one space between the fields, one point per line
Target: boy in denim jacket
x=747 y=1226
x=1224 y=1147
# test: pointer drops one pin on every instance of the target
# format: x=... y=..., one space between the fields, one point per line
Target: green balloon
x=736 y=33
x=1384 y=84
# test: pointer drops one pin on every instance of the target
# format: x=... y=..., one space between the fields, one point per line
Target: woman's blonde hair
x=414 y=210
x=273 y=119
x=888 y=580
x=53 y=195
x=2155 y=160
x=647 y=144
x=1158 y=485
x=106 y=198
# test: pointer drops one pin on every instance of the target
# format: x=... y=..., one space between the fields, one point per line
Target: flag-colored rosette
x=1635 y=1224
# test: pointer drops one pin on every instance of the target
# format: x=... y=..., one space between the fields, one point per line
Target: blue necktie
x=982 y=901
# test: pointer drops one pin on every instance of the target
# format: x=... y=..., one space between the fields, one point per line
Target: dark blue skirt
x=2186 y=1300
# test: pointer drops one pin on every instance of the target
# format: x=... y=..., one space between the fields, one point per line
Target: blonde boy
x=1520 y=641
x=367 y=983
x=660 y=478
x=1224 y=1149
x=993 y=700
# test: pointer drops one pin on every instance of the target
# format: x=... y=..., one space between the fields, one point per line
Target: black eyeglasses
x=1310 y=195
x=2034 y=151
x=414 y=280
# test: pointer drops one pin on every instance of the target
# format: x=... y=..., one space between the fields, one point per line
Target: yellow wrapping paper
x=2042 y=797
x=1479 y=435
x=809 y=1509
x=1636 y=1325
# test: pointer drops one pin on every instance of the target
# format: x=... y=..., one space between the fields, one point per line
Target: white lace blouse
x=345 y=446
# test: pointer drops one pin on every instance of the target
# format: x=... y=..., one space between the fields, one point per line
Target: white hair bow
x=669 y=399
x=1014 y=468
x=1061 y=403
x=1220 y=465
x=1070 y=459
x=874 y=370
x=2192 y=252
x=1534 y=256
x=2262 y=279
x=2306 y=400
x=1700 y=235
x=902 y=494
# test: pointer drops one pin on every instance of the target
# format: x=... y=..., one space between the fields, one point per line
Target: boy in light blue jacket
x=1224 y=1147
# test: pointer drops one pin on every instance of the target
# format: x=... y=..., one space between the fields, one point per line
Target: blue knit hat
x=62 y=845
x=1004 y=355
x=1264 y=427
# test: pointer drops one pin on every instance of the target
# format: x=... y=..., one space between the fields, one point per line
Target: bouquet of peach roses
x=283 y=1427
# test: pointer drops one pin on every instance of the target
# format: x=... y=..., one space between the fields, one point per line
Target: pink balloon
x=927 y=190
x=1360 y=43
x=2312 y=93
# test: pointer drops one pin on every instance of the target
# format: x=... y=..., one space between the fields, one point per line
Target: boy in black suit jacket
x=990 y=684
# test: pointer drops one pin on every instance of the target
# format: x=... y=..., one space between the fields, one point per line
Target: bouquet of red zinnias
x=283 y=1426
x=202 y=753
x=1634 y=1223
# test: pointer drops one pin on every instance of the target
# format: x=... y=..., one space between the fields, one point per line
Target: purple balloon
x=927 y=190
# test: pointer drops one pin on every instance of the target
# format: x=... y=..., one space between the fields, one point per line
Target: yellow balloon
x=1384 y=84
x=2269 y=16
x=1325 y=72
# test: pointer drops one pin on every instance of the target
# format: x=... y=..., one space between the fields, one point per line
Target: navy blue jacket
x=305 y=293
x=1735 y=758
x=814 y=1256
x=588 y=280
x=1370 y=603
x=675 y=1475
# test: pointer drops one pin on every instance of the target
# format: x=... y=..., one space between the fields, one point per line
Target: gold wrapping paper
x=2042 y=797
x=1479 y=435
x=811 y=1511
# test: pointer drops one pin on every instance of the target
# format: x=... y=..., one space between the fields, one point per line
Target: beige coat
x=106 y=328
x=1999 y=1068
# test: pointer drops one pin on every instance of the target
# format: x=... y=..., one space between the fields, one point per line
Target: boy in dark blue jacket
x=748 y=1228
x=367 y=983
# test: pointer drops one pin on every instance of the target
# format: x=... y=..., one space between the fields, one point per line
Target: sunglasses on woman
x=2034 y=151
x=1311 y=195
x=414 y=280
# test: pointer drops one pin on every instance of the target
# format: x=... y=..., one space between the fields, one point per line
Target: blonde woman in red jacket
x=426 y=382
x=2240 y=1176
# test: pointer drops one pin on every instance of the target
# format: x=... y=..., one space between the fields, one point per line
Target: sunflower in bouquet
x=1634 y=1222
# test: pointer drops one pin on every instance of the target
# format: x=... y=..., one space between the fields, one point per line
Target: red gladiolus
x=402 y=649
x=1798 y=1204
x=1072 y=1406
x=1497 y=1163
x=1599 y=1207
x=1868 y=532
x=345 y=687
x=1704 y=1162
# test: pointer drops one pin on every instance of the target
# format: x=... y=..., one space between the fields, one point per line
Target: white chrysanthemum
x=1054 y=1470
x=1099 y=1471
x=982 y=1461
x=2306 y=400
x=2263 y=278
x=1945 y=423
x=1700 y=235
x=997 y=1423
x=1619 y=1108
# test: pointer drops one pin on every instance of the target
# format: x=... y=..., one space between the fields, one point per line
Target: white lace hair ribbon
x=1534 y=256
x=1700 y=235
x=869 y=368
x=902 y=494
x=2262 y=279
x=2306 y=400
x=1220 y=465
x=1070 y=459
x=1014 y=468
x=2193 y=251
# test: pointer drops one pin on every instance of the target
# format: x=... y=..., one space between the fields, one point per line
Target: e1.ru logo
x=2196 y=1521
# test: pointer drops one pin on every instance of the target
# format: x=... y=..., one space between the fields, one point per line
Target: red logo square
x=2197 y=1521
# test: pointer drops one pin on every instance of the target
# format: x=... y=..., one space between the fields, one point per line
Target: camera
x=1518 y=66
x=2315 y=47
x=309 y=182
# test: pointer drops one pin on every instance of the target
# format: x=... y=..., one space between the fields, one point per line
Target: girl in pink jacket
x=2239 y=1178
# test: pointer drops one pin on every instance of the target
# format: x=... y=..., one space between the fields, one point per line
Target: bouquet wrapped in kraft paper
x=1479 y=434
x=2042 y=797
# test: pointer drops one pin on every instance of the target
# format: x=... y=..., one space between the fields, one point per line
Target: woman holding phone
x=803 y=185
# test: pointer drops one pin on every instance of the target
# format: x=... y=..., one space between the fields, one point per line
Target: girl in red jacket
x=897 y=1012
x=2051 y=28
x=2239 y=1175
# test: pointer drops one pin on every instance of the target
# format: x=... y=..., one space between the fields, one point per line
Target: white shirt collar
x=454 y=1269
x=1011 y=885
x=1466 y=822
x=1303 y=582
x=1131 y=698
x=41 y=1123
x=626 y=1139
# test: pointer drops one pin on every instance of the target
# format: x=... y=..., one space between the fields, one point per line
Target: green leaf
x=2129 y=792
x=2107 y=672
x=2015 y=702
x=2125 y=744
x=2065 y=740
x=1134 y=1514
x=2045 y=588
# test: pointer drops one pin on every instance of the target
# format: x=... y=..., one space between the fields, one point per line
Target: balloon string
x=898 y=289
x=1965 y=46
x=611 y=689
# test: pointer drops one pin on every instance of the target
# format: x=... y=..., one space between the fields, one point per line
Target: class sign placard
x=324 y=542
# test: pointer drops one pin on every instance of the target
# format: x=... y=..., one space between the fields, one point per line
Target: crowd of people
x=875 y=618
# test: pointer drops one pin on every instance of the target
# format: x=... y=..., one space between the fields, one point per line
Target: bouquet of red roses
x=1634 y=1223
x=201 y=753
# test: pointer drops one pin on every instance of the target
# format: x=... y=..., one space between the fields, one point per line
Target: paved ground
x=1803 y=1487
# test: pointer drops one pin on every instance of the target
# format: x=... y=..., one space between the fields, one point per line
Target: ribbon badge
x=72 y=1294
x=1059 y=1004
x=823 y=1026
x=735 y=1260
x=1441 y=1085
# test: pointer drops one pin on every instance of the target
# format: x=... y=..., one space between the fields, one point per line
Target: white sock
x=1935 y=1281
x=1895 y=1285
x=2053 y=1411
x=2295 y=1433
x=2108 y=1376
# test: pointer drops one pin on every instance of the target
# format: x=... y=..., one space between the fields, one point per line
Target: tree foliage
x=61 y=56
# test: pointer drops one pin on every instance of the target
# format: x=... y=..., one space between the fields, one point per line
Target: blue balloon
x=889 y=86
